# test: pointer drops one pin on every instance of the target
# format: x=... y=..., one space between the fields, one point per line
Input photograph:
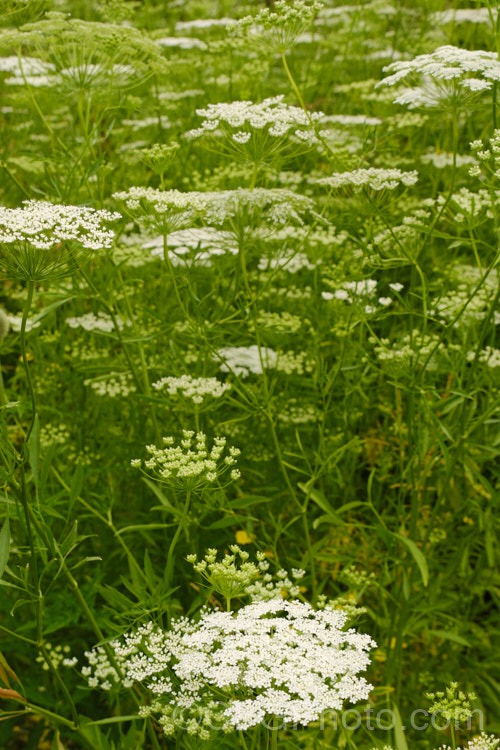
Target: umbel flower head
x=257 y=132
x=447 y=74
x=190 y=465
x=275 y=30
x=234 y=578
x=167 y=211
x=234 y=670
x=42 y=240
x=376 y=179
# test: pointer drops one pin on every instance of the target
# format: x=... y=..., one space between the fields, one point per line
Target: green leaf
x=417 y=555
x=318 y=498
x=161 y=497
x=399 y=730
x=447 y=635
x=76 y=486
x=4 y=546
x=47 y=463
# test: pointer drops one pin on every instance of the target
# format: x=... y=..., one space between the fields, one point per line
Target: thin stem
x=27 y=307
x=255 y=173
x=170 y=556
x=108 y=522
x=110 y=310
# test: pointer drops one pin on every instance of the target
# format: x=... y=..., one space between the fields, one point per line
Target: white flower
x=473 y=70
x=270 y=117
x=377 y=179
x=92 y=322
x=195 y=389
x=271 y=658
x=33 y=238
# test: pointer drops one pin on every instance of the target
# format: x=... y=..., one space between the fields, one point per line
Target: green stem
x=110 y=310
x=171 y=272
x=108 y=522
x=303 y=105
x=3 y=397
x=75 y=590
x=255 y=173
x=31 y=390
x=170 y=556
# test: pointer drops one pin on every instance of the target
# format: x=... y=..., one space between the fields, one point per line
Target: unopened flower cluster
x=235 y=576
x=376 y=179
x=194 y=389
x=452 y=703
x=58 y=655
x=191 y=464
x=277 y=28
x=271 y=658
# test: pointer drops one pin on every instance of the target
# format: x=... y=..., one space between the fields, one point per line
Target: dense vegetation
x=249 y=364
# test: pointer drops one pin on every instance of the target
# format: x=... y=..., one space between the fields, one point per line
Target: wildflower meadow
x=249 y=375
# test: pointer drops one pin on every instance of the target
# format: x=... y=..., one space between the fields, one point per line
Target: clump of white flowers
x=412 y=350
x=488 y=156
x=376 y=179
x=171 y=210
x=489 y=355
x=235 y=670
x=248 y=124
x=192 y=389
x=95 y=322
x=482 y=742
x=41 y=239
x=448 y=69
x=243 y=360
x=112 y=385
x=191 y=465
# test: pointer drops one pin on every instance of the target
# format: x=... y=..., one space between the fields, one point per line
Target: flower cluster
x=94 y=322
x=112 y=385
x=229 y=577
x=190 y=465
x=33 y=238
x=276 y=29
x=451 y=704
x=413 y=349
x=271 y=658
x=489 y=355
x=194 y=389
x=376 y=179
x=171 y=210
x=243 y=360
x=469 y=70
x=58 y=655
x=239 y=121
x=488 y=156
